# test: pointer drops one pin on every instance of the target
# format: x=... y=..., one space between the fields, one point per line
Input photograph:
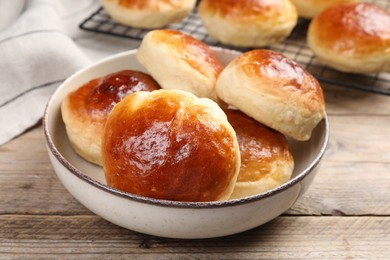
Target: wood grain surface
x=43 y=236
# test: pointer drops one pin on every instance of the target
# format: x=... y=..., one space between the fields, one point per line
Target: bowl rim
x=160 y=202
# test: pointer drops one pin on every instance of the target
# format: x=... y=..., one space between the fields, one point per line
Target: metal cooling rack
x=293 y=47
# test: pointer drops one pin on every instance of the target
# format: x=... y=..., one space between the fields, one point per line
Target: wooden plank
x=359 y=139
x=346 y=101
x=28 y=182
x=284 y=237
x=347 y=189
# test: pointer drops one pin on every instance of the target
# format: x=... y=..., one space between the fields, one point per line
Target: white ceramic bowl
x=86 y=182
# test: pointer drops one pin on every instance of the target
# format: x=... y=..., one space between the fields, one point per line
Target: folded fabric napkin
x=36 y=56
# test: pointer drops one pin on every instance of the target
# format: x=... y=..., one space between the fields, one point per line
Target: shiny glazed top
x=95 y=99
x=260 y=146
x=190 y=50
x=356 y=28
x=148 y=4
x=242 y=8
x=248 y=10
x=285 y=76
x=327 y=2
x=163 y=145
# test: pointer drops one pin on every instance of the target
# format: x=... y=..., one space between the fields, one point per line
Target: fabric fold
x=36 y=57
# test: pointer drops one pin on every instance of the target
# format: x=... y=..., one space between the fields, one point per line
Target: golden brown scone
x=148 y=14
x=179 y=61
x=352 y=38
x=170 y=144
x=85 y=110
x=266 y=161
x=248 y=23
x=275 y=91
x=310 y=8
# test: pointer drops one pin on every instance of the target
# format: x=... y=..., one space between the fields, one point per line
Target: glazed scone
x=310 y=8
x=171 y=145
x=148 y=14
x=266 y=161
x=179 y=61
x=248 y=23
x=275 y=91
x=85 y=110
x=352 y=38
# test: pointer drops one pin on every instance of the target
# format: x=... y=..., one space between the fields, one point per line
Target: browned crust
x=357 y=29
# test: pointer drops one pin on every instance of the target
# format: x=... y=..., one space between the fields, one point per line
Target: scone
x=310 y=8
x=179 y=61
x=148 y=14
x=171 y=145
x=266 y=161
x=352 y=38
x=85 y=110
x=275 y=91
x=248 y=23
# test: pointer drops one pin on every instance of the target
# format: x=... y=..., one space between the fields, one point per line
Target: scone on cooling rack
x=248 y=23
x=148 y=14
x=352 y=38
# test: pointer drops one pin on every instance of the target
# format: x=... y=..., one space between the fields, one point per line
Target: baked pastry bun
x=275 y=91
x=352 y=38
x=179 y=61
x=172 y=145
x=148 y=14
x=248 y=23
x=85 y=110
x=310 y=8
x=266 y=161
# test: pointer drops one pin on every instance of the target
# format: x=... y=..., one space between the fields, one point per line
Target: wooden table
x=345 y=214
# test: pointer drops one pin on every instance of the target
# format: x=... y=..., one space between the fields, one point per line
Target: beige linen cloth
x=36 y=56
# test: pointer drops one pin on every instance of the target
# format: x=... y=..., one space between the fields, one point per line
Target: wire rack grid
x=294 y=47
